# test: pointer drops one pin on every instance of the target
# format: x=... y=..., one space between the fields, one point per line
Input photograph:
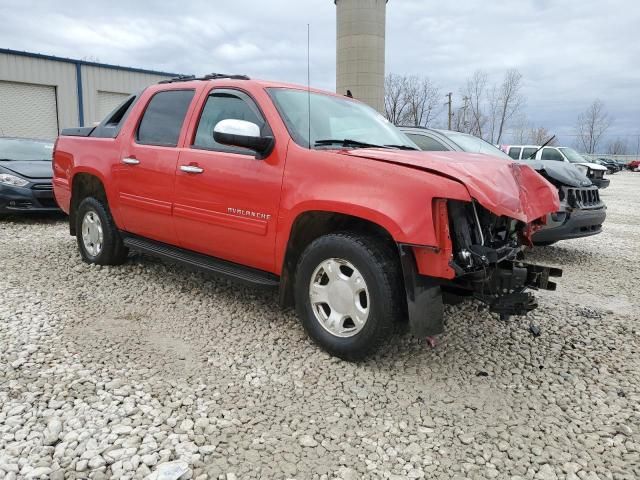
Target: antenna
x=309 y=84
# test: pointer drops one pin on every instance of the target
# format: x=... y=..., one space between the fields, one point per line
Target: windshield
x=572 y=155
x=336 y=122
x=471 y=144
x=24 y=149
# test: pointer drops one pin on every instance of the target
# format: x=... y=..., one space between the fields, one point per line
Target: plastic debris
x=169 y=471
x=535 y=330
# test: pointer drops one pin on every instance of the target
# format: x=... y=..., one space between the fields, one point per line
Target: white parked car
x=593 y=171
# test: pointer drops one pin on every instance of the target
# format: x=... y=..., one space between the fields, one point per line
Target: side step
x=201 y=262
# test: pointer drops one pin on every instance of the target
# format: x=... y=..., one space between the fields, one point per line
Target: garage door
x=28 y=110
x=107 y=101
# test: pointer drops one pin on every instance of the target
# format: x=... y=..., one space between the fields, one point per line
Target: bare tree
x=423 y=103
x=539 y=135
x=591 y=126
x=617 y=147
x=474 y=92
x=509 y=100
x=521 y=130
x=493 y=101
x=395 y=102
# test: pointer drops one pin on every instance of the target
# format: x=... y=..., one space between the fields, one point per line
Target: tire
x=354 y=255
x=111 y=250
x=545 y=244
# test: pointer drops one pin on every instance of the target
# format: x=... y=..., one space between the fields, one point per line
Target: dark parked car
x=612 y=167
x=581 y=213
x=25 y=176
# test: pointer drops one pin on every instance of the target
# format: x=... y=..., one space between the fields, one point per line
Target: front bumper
x=503 y=287
x=600 y=182
x=573 y=223
x=35 y=197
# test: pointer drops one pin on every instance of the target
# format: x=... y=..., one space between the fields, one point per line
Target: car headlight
x=12 y=180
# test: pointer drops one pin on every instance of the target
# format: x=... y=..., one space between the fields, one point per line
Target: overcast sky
x=570 y=52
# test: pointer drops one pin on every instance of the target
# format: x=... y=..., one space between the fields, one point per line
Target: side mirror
x=240 y=133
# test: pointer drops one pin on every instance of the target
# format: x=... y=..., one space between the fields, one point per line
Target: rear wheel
x=348 y=293
x=98 y=238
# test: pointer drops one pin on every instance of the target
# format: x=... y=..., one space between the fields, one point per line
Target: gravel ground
x=111 y=372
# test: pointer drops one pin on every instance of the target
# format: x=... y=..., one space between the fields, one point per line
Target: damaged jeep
x=309 y=192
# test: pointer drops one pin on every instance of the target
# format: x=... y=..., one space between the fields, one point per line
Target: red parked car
x=335 y=207
x=634 y=165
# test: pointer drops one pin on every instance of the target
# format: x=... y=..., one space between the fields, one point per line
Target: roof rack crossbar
x=210 y=76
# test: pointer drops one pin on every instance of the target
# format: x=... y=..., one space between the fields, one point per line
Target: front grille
x=587 y=197
x=43 y=186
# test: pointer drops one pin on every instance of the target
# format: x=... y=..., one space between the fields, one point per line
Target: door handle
x=130 y=161
x=191 y=169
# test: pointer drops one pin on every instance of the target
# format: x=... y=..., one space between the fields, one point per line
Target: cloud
x=569 y=51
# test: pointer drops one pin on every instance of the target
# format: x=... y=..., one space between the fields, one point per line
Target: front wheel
x=348 y=293
x=98 y=238
x=545 y=244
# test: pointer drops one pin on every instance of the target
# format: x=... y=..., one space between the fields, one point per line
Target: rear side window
x=514 y=152
x=163 y=118
x=223 y=105
x=551 y=154
x=112 y=123
x=116 y=116
x=527 y=152
x=426 y=143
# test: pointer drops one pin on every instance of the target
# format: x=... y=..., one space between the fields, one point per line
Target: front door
x=146 y=172
x=226 y=200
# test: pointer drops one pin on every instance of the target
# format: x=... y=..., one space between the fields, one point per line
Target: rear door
x=146 y=171
x=226 y=202
x=514 y=152
x=527 y=152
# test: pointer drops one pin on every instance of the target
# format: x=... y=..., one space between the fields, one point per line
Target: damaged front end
x=480 y=255
x=489 y=260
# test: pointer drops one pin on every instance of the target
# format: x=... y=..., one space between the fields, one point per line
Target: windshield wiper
x=402 y=147
x=533 y=155
x=346 y=142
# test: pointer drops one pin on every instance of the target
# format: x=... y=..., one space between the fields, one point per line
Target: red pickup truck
x=311 y=192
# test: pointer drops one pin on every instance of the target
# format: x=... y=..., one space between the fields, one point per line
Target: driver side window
x=223 y=105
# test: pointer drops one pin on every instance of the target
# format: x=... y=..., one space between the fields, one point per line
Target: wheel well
x=311 y=225
x=84 y=185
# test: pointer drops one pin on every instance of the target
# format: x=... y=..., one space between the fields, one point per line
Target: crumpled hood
x=593 y=166
x=501 y=186
x=29 y=168
x=562 y=172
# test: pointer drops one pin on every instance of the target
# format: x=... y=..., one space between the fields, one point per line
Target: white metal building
x=41 y=94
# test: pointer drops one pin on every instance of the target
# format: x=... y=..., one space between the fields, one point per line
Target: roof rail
x=210 y=76
x=179 y=78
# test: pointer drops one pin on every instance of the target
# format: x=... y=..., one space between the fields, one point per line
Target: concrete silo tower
x=360 y=50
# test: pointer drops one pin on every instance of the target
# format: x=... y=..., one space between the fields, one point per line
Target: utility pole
x=450 y=112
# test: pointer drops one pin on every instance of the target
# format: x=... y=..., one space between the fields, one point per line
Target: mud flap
x=424 y=298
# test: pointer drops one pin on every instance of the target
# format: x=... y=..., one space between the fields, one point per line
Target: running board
x=200 y=262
